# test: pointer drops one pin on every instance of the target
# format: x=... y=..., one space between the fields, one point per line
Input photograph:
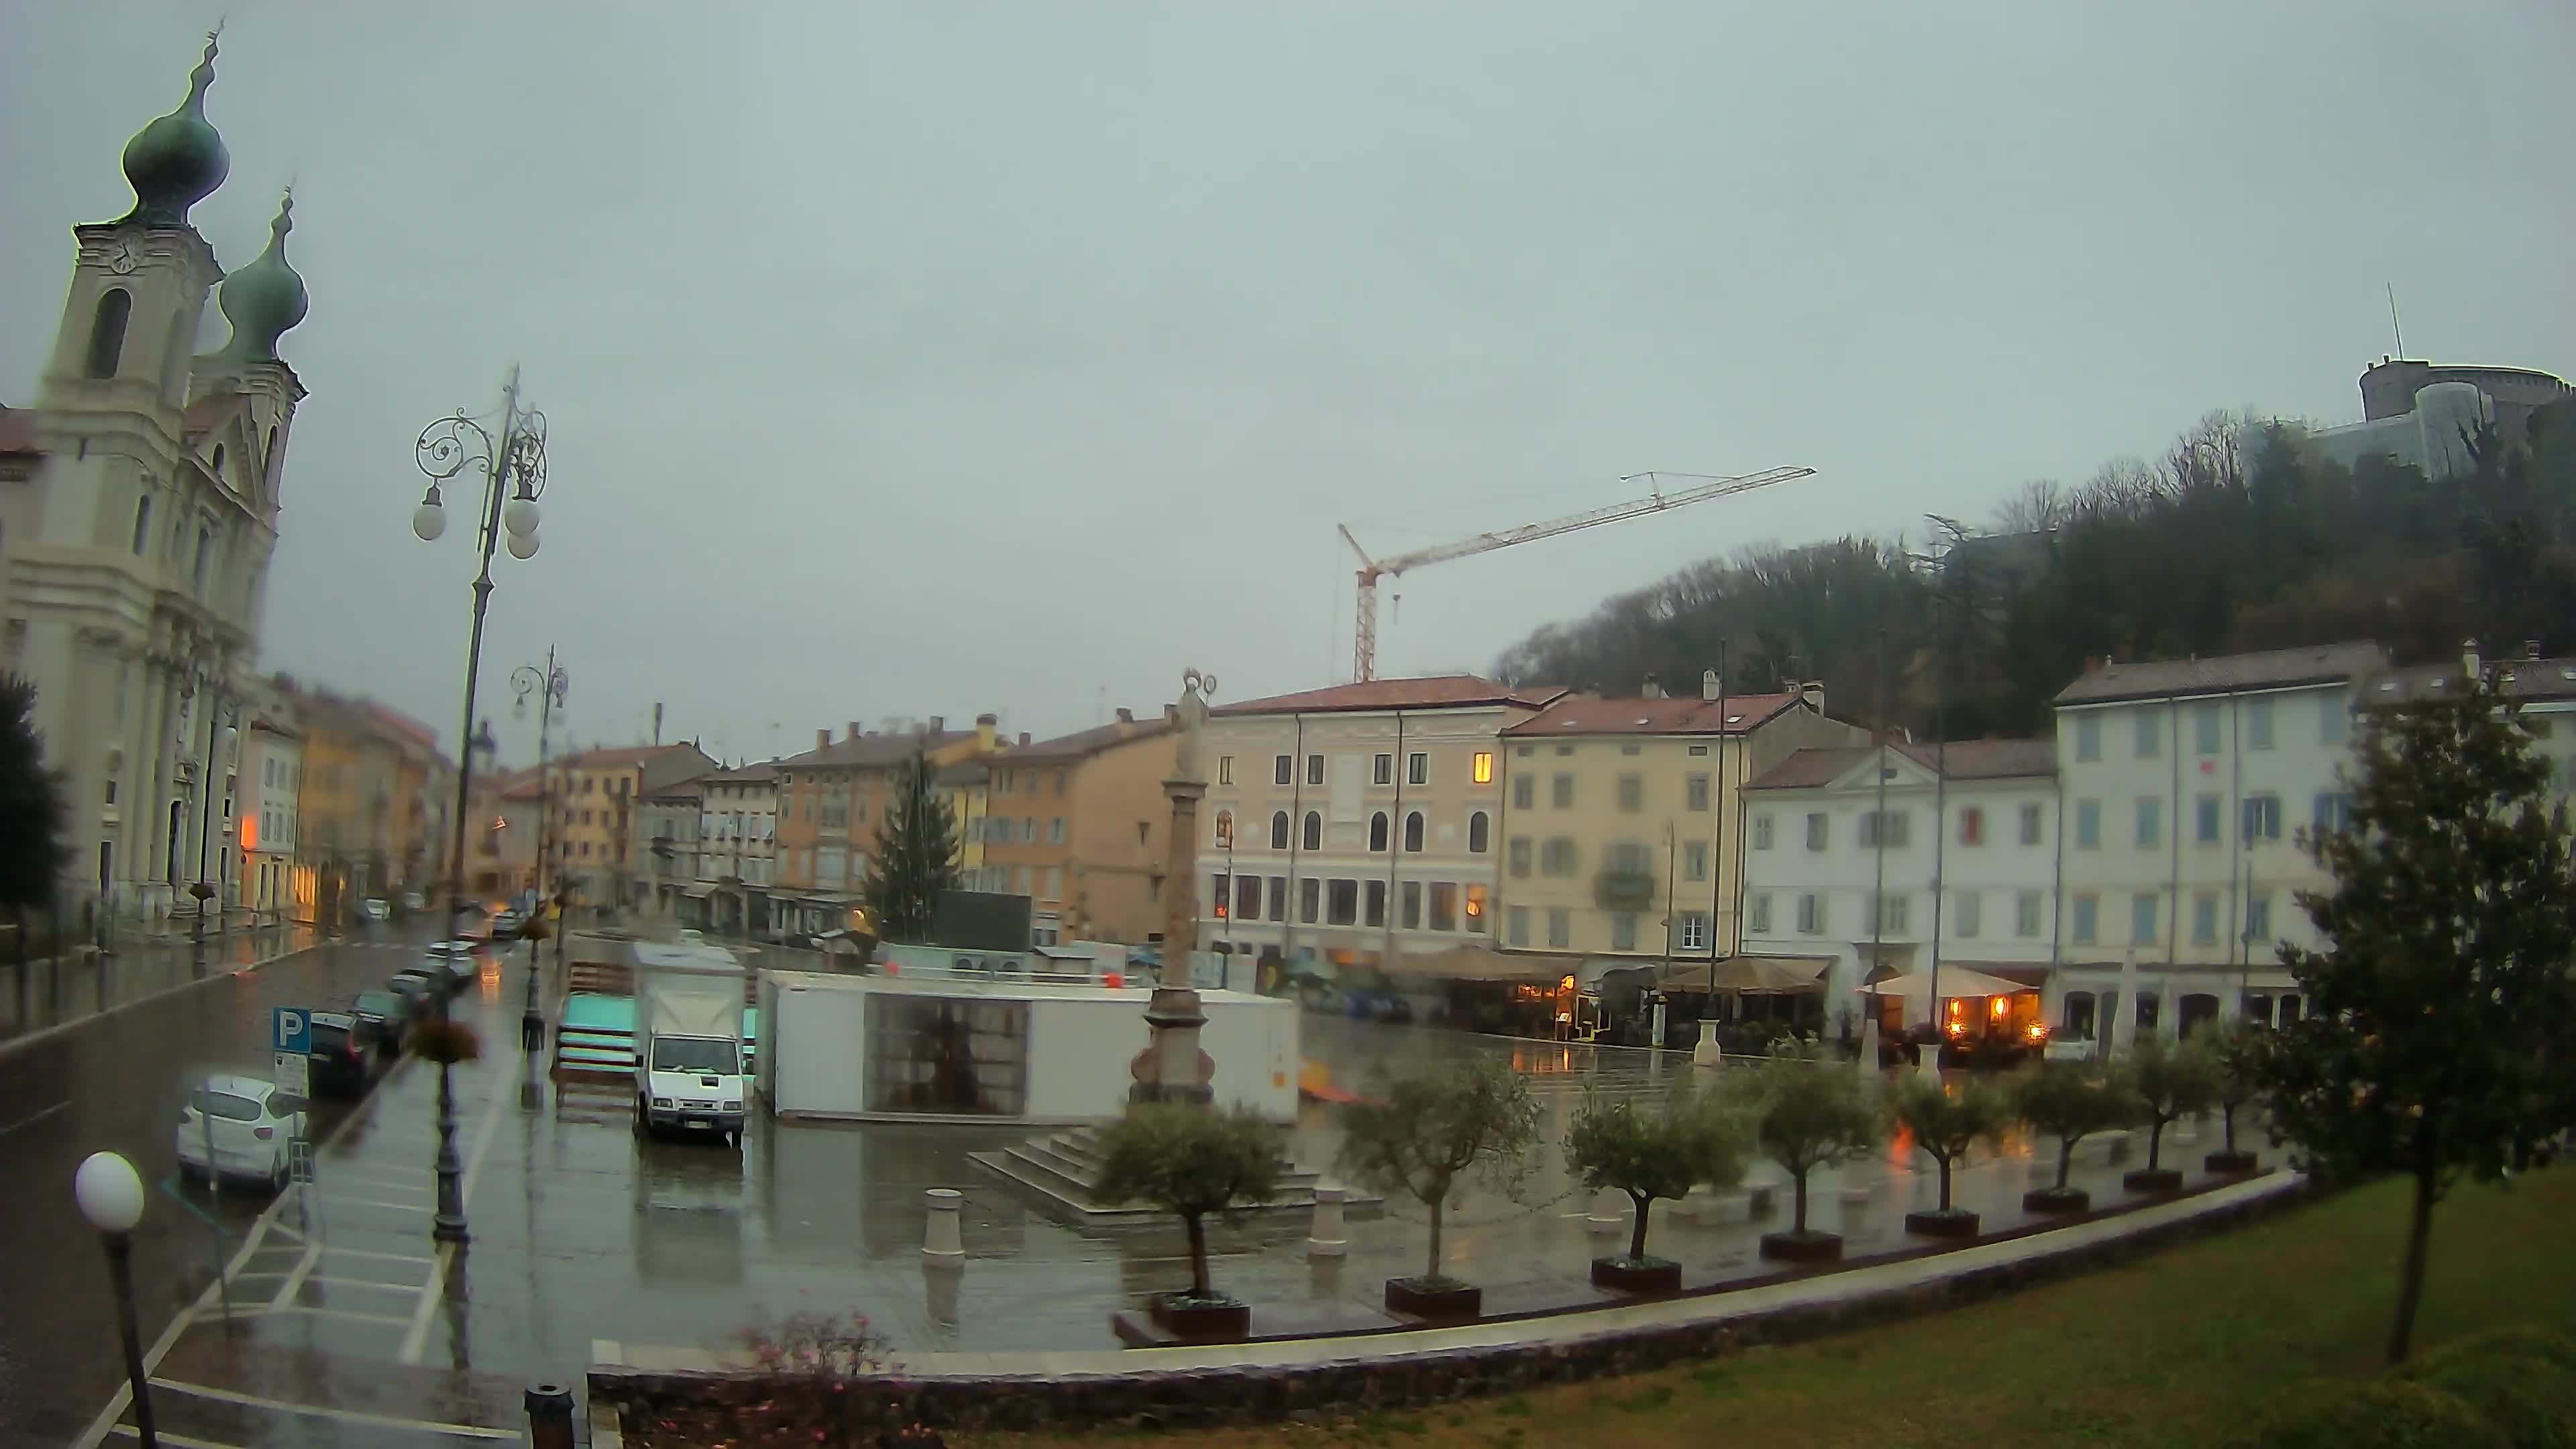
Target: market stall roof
x=1956 y=981
x=1468 y=961
x=1751 y=975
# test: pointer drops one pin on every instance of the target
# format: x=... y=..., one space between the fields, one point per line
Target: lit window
x=1484 y=770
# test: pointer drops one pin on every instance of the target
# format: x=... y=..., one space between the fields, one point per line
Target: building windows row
x=1341 y=901
x=1894 y=829
x=1893 y=914
x=2255 y=728
x=1310 y=835
x=2259 y=819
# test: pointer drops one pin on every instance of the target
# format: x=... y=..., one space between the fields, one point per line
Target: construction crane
x=1364 y=650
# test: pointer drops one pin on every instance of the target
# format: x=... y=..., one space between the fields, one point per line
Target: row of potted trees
x=1434 y=1133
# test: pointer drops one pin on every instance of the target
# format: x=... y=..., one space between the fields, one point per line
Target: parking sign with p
x=290 y=1029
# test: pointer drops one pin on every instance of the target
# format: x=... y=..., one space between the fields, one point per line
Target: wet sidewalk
x=583 y=1231
x=44 y=994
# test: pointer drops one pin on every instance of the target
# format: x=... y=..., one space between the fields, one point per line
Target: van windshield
x=696 y=1054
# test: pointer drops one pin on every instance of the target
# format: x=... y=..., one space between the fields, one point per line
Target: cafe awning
x=1469 y=961
x=1746 y=975
x=1956 y=981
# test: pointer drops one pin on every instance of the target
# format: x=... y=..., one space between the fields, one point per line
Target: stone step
x=1059 y=1170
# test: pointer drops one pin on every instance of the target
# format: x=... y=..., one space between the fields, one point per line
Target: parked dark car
x=339 y=1056
x=384 y=1016
x=418 y=987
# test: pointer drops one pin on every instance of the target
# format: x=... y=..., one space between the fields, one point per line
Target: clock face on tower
x=127 y=256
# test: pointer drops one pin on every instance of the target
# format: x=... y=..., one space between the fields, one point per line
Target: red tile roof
x=869 y=752
x=1963 y=760
x=208 y=413
x=1584 y=714
x=758 y=773
x=403 y=725
x=18 y=432
x=1082 y=744
x=1443 y=691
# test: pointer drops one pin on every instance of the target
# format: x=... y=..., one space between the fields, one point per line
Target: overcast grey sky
x=935 y=358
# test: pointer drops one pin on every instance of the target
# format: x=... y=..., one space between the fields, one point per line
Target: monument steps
x=1062 y=1170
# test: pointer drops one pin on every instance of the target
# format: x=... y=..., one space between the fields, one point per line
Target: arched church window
x=142 y=523
x=107 y=331
x=217 y=466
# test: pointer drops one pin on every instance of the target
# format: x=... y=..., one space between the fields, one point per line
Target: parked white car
x=238 y=1127
x=460 y=961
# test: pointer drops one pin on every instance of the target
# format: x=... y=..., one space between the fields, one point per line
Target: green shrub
x=2503 y=1376
x=2513 y=1340
x=2388 y=1414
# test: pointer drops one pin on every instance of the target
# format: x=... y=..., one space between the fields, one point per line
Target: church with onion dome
x=138 y=515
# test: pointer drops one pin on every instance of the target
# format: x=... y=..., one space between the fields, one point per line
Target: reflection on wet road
x=348 y=1325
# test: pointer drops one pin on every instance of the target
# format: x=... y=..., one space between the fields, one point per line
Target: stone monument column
x=1172 y=1068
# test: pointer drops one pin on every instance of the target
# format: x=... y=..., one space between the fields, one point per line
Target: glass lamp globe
x=109 y=1193
x=519 y=515
x=523 y=545
x=428 y=521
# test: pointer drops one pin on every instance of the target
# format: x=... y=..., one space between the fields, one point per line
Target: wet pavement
x=49 y=993
x=116 y=1081
x=349 y=1325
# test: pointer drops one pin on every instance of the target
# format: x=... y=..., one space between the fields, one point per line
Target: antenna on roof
x=2397 y=331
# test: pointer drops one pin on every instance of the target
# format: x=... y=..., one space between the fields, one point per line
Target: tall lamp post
x=513 y=466
x=548 y=684
x=110 y=1195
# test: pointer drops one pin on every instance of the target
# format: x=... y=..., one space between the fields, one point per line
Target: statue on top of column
x=1192 y=709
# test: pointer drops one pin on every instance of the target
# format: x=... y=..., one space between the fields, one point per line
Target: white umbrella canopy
x=1956 y=981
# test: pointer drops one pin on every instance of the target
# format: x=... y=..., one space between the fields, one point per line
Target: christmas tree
x=916 y=854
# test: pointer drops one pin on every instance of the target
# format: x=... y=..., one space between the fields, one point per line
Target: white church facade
x=138 y=515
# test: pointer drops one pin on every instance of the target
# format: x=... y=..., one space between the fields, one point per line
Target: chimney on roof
x=1650 y=689
x=2469 y=660
x=2530 y=648
x=1024 y=739
x=1812 y=694
x=1710 y=686
x=823 y=739
x=657 y=723
x=939 y=724
x=986 y=725
x=1126 y=715
x=854 y=729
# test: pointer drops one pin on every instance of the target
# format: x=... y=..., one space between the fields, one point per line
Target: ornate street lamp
x=549 y=685
x=514 y=478
x=110 y=1195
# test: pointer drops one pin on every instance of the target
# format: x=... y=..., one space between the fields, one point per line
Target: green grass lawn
x=2179 y=1349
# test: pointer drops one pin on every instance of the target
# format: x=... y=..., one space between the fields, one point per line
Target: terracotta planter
x=1448 y=1301
x=2229 y=1164
x=1201 y=1321
x=2155 y=1179
x=1810 y=1246
x=1940 y=1223
x=2056 y=1200
x=1653 y=1275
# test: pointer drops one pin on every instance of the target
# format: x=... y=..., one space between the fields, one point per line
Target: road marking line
x=30 y=1121
x=123 y=1394
x=367 y=1283
x=275 y=1308
x=372 y=1253
x=351 y=1416
x=400 y=1207
x=175 y=1441
x=295 y=1278
x=437 y=1289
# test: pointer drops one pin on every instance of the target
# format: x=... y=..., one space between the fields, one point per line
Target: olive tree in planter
x=1811 y=1110
x=2240 y=1048
x=1649 y=1153
x=2071 y=1101
x=2172 y=1082
x=1946 y=1122
x=1190 y=1162
x=1421 y=1135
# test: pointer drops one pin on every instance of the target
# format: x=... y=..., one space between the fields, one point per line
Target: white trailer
x=688 y=1039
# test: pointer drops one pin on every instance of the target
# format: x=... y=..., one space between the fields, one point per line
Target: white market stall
x=990 y=1048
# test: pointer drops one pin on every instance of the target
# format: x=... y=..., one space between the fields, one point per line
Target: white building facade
x=1306 y=834
x=738 y=846
x=271 y=773
x=2186 y=785
x=136 y=550
x=1847 y=861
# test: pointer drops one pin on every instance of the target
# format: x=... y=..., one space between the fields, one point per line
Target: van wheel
x=643 y=1123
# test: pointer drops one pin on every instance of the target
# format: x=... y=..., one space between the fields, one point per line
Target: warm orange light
x=1475 y=901
x=2037 y=1031
x=250 y=832
x=1958 y=1028
x=2001 y=1006
x=1484 y=768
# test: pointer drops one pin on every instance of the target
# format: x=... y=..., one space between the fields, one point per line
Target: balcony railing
x=1623 y=890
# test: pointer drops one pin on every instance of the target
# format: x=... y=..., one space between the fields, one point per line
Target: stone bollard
x=1609 y=1212
x=549 y=1416
x=1325 y=1239
x=941 y=1241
